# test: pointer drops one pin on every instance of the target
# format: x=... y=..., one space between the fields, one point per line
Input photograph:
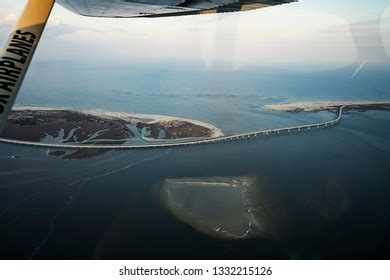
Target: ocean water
x=313 y=195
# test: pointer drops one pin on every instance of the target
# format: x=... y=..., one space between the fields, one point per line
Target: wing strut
x=16 y=55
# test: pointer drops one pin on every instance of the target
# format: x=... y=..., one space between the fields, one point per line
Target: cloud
x=7 y=20
x=10 y=18
x=273 y=36
x=6 y=23
x=385 y=30
x=285 y=36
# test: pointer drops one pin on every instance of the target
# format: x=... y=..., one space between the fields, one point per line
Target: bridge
x=203 y=141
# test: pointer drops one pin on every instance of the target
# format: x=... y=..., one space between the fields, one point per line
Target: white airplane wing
x=162 y=8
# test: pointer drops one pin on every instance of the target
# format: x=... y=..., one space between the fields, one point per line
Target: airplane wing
x=16 y=55
x=162 y=8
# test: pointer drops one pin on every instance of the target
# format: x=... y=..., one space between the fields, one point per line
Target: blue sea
x=314 y=195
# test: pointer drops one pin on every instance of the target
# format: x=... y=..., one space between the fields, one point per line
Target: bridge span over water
x=226 y=138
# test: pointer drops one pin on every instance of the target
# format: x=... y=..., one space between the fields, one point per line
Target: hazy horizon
x=305 y=35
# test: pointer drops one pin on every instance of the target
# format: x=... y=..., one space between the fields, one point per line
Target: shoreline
x=319 y=106
x=87 y=131
x=130 y=117
x=234 y=137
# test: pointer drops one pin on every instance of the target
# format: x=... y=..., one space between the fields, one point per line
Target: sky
x=310 y=34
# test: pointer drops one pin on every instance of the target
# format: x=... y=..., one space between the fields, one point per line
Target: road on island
x=227 y=138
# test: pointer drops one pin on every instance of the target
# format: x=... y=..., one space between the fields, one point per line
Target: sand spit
x=135 y=118
x=317 y=106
